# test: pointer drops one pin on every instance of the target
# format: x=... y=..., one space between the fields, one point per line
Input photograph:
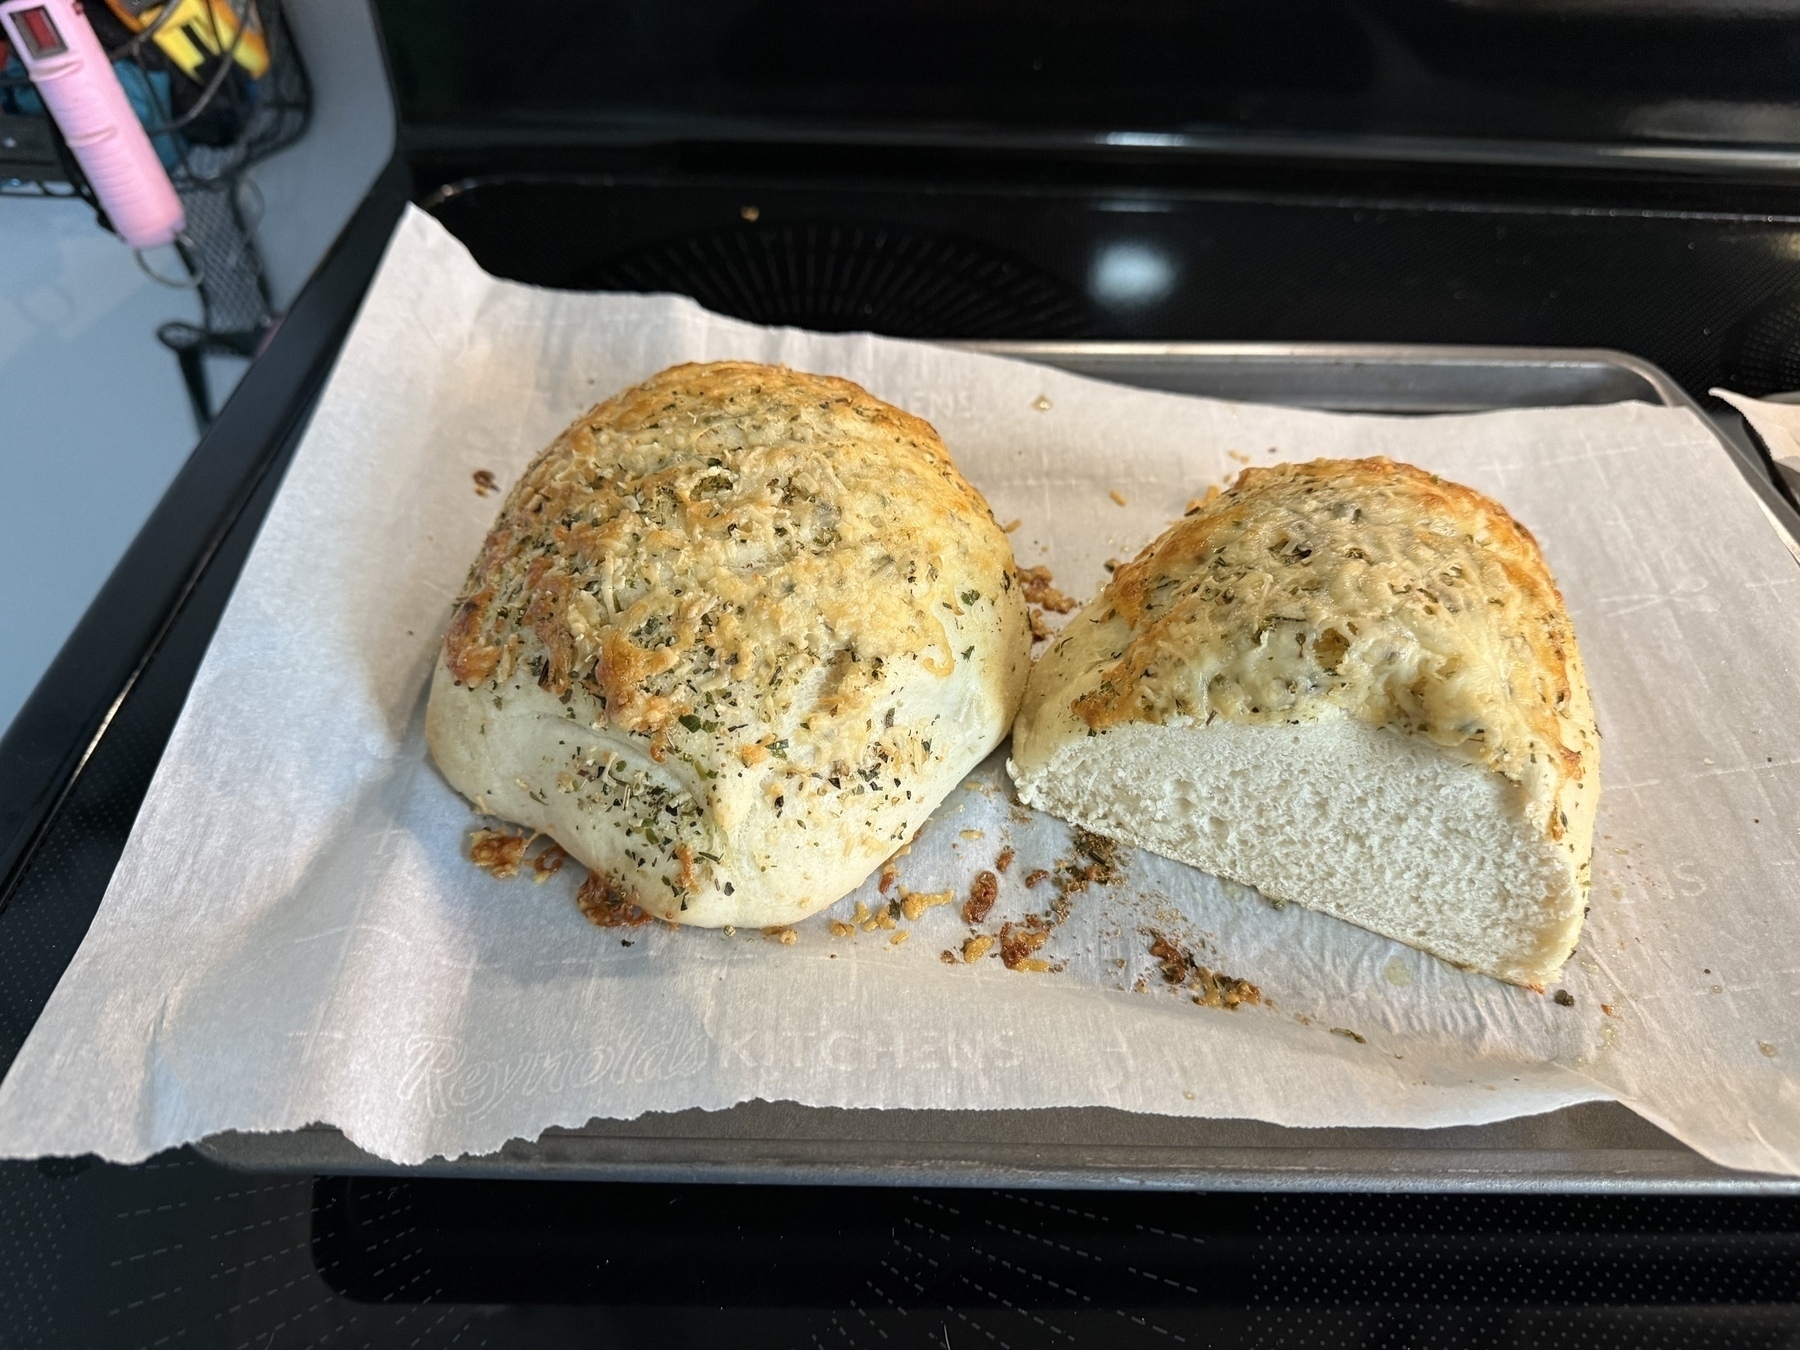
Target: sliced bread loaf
x=1352 y=685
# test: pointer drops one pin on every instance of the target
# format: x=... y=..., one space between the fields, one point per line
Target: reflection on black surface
x=1489 y=69
x=549 y=1242
x=182 y=1252
x=848 y=276
x=1043 y=1268
x=506 y=1242
x=1677 y=286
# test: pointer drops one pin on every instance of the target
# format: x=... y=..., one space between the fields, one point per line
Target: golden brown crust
x=1360 y=587
x=719 y=520
x=727 y=635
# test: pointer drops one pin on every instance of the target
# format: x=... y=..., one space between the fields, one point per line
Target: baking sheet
x=292 y=935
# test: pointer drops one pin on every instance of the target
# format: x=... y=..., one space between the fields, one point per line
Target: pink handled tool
x=75 y=80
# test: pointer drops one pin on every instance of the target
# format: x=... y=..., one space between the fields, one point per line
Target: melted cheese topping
x=739 y=565
x=1360 y=588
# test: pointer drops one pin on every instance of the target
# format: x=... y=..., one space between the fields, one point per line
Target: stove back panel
x=1713 y=296
x=1647 y=72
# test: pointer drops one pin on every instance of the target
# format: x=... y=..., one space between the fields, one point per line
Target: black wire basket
x=218 y=86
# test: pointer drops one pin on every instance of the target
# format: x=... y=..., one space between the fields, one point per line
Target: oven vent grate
x=845 y=276
x=1763 y=357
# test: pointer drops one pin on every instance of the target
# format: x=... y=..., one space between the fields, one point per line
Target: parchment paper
x=294 y=934
x=1777 y=423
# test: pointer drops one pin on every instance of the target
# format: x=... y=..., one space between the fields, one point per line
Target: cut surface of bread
x=733 y=636
x=1359 y=822
x=1349 y=684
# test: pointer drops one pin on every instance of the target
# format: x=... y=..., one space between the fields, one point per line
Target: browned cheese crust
x=1361 y=587
x=771 y=620
x=702 y=514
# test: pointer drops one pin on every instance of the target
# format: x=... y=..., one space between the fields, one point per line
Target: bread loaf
x=733 y=636
x=1349 y=684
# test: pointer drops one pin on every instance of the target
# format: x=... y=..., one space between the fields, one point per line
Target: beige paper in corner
x=1779 y=426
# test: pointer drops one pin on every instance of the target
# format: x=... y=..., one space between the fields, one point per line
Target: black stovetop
x=177 y=1252
x=1702 y=280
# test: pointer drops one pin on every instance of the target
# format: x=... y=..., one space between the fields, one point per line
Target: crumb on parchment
x=548 y=863
x=498 y=852
x=605 y=902
x=983 y=891
x=915 y=903
x=1213 y=989
x=1019 y=942
x=1097 y=862
x=1004 y=861
x=1038 y=589
x=870 y=919
x=977 y=947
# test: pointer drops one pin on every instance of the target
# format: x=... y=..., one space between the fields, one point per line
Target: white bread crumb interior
x=1350 y=684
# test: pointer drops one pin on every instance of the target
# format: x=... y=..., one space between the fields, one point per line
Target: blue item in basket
x=148 y=93
x=21 y=97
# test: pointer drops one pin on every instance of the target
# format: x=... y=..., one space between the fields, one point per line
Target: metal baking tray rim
x=766 y=1160
x=1599 y=1157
